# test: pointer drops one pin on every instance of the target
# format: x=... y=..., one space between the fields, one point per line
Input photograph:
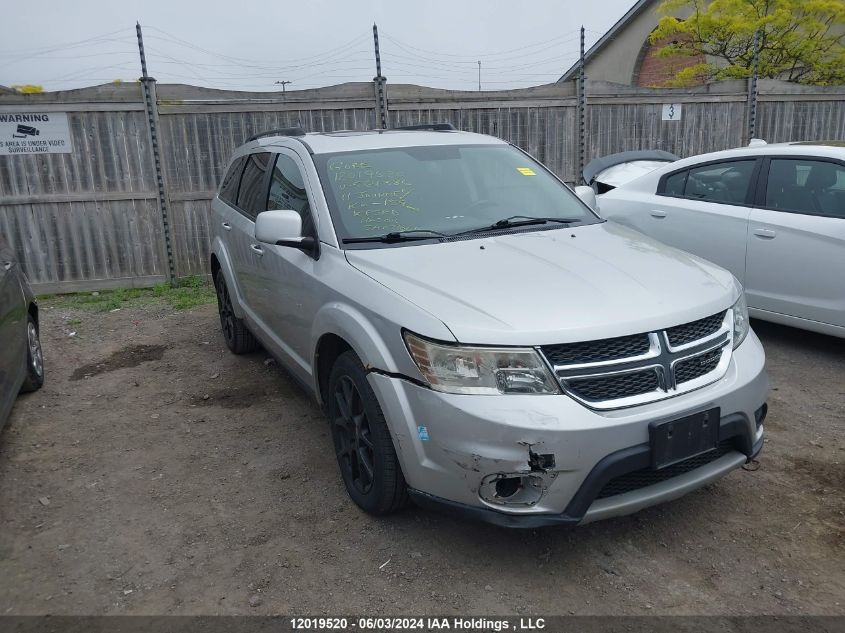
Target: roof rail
x=282 y=131
x=434 y=127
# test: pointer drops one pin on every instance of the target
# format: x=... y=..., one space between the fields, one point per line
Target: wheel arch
x=32 y=310
x=329 y=347
x=338 y=328
x=219 y=260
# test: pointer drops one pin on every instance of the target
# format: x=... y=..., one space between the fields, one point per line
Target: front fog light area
x=512 y=489
x=480 y=370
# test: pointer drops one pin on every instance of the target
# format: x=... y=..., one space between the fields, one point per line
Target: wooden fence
x=92 y=218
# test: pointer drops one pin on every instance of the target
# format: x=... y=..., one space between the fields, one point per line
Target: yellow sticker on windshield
x=526 y=171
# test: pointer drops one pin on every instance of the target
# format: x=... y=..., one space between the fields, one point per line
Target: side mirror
x=588 y=196
x=283 y=228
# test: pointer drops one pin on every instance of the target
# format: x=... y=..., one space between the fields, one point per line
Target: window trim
x=750 y=193
x=265 y=187
x=315 y=233
x=763 y=183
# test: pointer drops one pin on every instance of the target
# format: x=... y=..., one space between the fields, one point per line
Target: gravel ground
x=156 y=473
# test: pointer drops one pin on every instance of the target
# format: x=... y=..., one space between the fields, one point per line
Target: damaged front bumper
x=530 y=460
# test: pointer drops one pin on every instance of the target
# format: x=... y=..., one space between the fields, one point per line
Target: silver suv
x=479 y=339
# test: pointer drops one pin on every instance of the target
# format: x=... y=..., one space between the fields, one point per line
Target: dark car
x=21 y=361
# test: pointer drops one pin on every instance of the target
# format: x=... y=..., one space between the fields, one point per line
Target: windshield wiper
x=396 y=236
x=518 y=220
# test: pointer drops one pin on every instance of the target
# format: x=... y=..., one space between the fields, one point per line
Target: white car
x=774 y=215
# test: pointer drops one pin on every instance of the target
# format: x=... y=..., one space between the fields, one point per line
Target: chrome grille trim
x=661 y=357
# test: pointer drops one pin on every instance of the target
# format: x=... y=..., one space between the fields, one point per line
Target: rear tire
x=238 y=338
x=365 y=454
x=34 y=379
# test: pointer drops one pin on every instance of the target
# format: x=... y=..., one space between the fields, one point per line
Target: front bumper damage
x=528 y=460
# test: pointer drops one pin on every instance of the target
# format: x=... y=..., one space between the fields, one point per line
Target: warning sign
x=34 y=133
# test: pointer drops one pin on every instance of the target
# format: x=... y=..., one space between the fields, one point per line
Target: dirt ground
x=156 y=473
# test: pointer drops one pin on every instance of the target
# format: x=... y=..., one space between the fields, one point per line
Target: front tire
x=34 y=379
x=368 y=463
x=238 y=338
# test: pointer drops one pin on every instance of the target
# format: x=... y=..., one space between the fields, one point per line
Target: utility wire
x=557 y=59
x=476 y=55
x=343 y=62
x=446 y=62
x=263 y=62
x=56 y=47
x=20 y=58
x=270 y=72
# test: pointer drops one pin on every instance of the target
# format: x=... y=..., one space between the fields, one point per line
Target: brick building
x=624 y=54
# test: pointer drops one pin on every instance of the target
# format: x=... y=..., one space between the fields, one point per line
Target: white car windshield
x=432 y=192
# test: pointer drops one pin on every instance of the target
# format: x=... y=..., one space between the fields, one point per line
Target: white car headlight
x=741 y=322
x=480 y=370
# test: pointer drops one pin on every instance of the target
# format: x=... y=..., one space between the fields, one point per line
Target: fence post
x=752 y=89
x=148 y=86
x=582 y=114
x=379 y=83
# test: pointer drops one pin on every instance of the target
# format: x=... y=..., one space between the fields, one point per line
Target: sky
x=250 y=45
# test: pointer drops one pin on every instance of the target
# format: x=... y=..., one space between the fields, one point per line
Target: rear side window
x=675 y=184
x=229 y=186
x=727 y=182
x=252 y=193
x=814 y=187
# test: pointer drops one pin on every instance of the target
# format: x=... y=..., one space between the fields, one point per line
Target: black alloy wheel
x=235 y=333
x=354 y=441
x=364 y=448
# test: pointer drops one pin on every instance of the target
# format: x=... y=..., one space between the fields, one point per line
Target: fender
x=218 y=248
x=355 y=328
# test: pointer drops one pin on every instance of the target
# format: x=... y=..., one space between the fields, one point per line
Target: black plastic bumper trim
x=488 y=515
x=735 y=425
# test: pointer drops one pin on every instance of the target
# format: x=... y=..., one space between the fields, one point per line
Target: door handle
x=765 y=234
x=7 y=265
x=656 y=213
x=257 y=249
x=226 y=226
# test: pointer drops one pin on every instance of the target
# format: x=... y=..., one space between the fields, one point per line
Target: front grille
x=697 y=366
x=615 y=386
x=639 y=368
x=689 y=332
x=597 y=351
x=647 y=477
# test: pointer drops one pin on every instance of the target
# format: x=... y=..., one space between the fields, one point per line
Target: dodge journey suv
x=479 y=339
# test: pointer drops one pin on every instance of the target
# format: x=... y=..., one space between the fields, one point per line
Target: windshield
x=446 y=189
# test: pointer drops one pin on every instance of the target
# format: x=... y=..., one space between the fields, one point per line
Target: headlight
x=480 y=370
x=741 y=323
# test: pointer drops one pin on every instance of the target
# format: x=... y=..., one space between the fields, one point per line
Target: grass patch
x=188 y=292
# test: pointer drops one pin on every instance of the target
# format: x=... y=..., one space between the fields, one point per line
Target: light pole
x=283 y=84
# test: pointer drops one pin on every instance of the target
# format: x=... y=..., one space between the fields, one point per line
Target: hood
x=554 y=286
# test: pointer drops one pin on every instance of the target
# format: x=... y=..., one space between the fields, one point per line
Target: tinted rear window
x=229 y=186
x=252 y=194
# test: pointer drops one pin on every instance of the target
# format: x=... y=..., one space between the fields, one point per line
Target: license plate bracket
x=676 y=440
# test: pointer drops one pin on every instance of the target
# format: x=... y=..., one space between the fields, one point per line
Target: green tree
x=800 y=40
x=28 y=89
